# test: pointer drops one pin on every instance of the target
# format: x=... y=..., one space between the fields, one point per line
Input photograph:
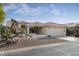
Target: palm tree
x=2 y=14
x=14 y=23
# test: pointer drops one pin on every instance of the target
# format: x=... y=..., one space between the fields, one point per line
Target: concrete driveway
x=70 y=48
x=68 y=38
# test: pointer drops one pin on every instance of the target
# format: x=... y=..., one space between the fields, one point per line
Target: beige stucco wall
x=54 y=31
x=43 y=31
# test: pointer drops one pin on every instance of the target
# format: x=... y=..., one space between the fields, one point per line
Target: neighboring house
x=49 y=28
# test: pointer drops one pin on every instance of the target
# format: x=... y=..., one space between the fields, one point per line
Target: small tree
x=2 y=14
x=36 y=29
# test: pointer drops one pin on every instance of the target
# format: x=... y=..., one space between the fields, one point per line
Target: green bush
x=73 y=31
x=36 y=29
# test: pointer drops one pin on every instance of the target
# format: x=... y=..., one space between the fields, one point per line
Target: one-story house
x=48 y=28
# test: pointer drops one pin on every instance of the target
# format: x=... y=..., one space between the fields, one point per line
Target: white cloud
x=56 y=11
x=9 y=7
x=26 y=10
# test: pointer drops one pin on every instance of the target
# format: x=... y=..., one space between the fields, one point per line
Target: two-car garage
x=54 y=31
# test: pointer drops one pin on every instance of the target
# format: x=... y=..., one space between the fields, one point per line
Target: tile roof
x=42 y=24
x=52 y=24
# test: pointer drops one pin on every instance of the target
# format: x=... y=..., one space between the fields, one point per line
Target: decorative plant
x=5 y=33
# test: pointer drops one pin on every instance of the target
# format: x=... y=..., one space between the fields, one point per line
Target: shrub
x=73 y=31
x=36 y=29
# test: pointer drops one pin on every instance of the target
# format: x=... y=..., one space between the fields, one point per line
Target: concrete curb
x=6 y=52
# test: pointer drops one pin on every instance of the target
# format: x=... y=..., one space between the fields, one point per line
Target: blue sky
x=43 y=12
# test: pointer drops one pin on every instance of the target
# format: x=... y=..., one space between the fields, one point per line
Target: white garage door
x=56 y=31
